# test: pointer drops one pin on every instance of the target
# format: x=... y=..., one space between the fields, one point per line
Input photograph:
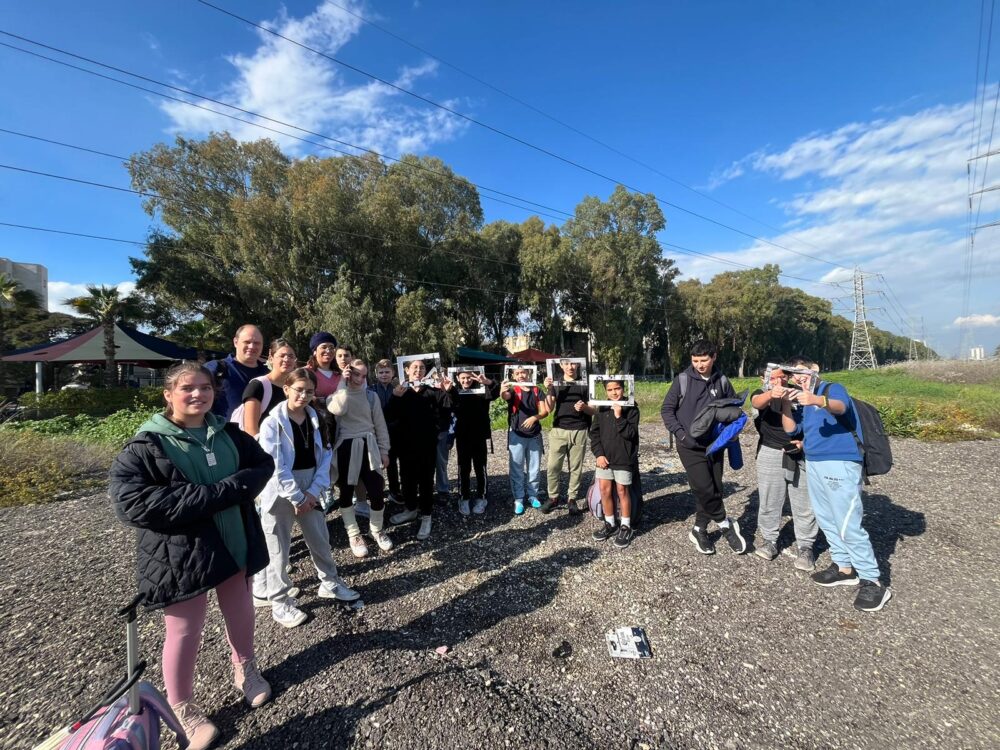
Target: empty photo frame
x=557 y=367
x=432 y=375
x=476 y=388
x=599 y=396
x=509 y=370
x=782 y=375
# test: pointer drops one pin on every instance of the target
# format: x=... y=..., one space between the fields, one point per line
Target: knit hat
x=322 y=337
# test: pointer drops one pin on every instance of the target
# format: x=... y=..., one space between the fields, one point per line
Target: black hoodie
x=616 y=439
x=678 y=414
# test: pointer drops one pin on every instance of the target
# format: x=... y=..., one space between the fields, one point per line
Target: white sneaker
x=362 y=508
x=382 y=540
x=404 y=516
x=263 y=601
x=358 y=546
x=463 y=507
x=425 y=528
x=479 y=507
x=288 y=615
x=337 y=590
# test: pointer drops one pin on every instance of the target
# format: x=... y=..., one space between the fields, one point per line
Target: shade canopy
x=465 y=354
x=131 y=347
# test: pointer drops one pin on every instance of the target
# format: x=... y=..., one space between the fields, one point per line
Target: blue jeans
x=835 y=491
x=445 y=439
x=525 y=458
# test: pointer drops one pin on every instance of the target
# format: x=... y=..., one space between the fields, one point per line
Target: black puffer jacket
x=180 y=553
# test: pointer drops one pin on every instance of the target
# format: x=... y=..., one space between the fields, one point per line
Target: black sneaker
x=624 y=538
x=701 y=541
x=604 y=533
x=872 y=596
x=573 y=508
x=550 y=505
x=833 y=577
x=736 y=541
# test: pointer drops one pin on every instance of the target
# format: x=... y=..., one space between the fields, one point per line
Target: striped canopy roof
x=131 y=347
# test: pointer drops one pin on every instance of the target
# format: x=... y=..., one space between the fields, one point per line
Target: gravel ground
x=747 y=653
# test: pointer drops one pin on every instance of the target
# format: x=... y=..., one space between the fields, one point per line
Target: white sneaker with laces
x=404 y=516
x=287 y=614
x=425 y=528
x=382 y=540
x=337 y=590
x=358 y=546
x=479 y=507
x=463 y=507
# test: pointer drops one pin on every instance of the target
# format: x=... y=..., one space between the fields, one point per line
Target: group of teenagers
x=246 y=448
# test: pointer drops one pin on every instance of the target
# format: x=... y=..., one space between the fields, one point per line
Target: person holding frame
x=526 y=407
x=567 y=399
x=472 y=396
x=614 y=441
x=382 y=388
x=419 y=411
x=433 y=377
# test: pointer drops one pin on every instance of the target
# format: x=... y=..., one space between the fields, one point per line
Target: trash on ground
x=628 y=643
x=441 y=650
x=357 y=605
x=563 y=650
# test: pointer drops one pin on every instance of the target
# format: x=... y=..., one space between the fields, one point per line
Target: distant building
x=31 y=276
x=977 y=353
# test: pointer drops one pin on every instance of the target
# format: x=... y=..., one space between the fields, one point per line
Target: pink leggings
x=185 y=622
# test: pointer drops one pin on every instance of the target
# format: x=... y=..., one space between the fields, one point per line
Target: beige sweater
x=357 y=417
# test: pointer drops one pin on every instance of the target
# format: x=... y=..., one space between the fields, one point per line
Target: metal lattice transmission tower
x=914 y=351
x=862 y=354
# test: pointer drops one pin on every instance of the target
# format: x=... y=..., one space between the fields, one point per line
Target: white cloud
x=63 y=290
x=890 y=196
x=983 y=320
x=288 y=83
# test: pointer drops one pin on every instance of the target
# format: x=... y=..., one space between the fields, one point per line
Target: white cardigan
x=277 y=439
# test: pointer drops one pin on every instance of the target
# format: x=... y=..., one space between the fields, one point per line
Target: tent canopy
x=532 y=355
x=131 y=347
x=465 y=354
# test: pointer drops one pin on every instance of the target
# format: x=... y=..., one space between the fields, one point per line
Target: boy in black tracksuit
x=702 y=382
x=472 y=430
x=614 y=441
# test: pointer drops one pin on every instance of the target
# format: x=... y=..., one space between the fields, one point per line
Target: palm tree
x=106 y=306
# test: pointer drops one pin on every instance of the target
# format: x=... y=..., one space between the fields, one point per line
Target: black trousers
x=705 y=477
x=371 y=479
x=471 y=456
x=417 y=465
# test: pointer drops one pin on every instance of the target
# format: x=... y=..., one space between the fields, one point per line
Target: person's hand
x=807 y=399
x=530 y=422
x=310 y=503
x=777 y=391
x=399 y=390
x=446 y=384
x=602 y=462
x=385 y=460
x=618 y=412
x=482 y=379
x=686 y=440
x=506 y=386
x=548 y=382
x=797 y=444
x=579 y=406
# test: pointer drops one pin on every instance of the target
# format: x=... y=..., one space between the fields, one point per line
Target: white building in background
x=31 y=276
x=977 y=353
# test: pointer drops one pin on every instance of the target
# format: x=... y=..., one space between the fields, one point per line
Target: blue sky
x=842 y=130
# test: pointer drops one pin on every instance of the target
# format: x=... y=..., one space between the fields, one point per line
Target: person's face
x=324 y=355
x=802 y=380
x=569 y=369
x=359 y=374
x=778 y=378
x=248 y=345
x=191 y=396
x=521 y=375
x=283 y=360
x=702 y=364
x=344 y=357
x=384 y=375
x=466 y=380
x=614 y=390
x=300 y=393
x=416 y=370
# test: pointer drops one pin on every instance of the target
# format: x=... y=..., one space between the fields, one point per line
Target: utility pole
x=862 y=354
x=914 y=352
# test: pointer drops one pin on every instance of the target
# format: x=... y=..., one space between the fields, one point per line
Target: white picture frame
x=772 y=368
x=432 y=366
x=508 y=373
x=599 y=398
x=553 y=368
x=479 y=388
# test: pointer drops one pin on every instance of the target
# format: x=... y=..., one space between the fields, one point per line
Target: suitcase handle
x=115 y=692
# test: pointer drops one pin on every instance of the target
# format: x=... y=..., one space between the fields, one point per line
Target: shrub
x=36 y=468
x=114 y=430
x=97 y=402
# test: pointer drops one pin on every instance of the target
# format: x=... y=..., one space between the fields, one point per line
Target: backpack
x=683 y=379
x=876 y=453
x=635 y=495
x=238 y=412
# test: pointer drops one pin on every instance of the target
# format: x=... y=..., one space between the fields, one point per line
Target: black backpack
x=876 y=453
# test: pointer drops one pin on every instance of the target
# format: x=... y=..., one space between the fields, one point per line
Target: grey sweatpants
x=277 y=523
x=773 y=486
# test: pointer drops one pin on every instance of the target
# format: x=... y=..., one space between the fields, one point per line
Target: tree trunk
x=743 y=360
x=110 y=366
